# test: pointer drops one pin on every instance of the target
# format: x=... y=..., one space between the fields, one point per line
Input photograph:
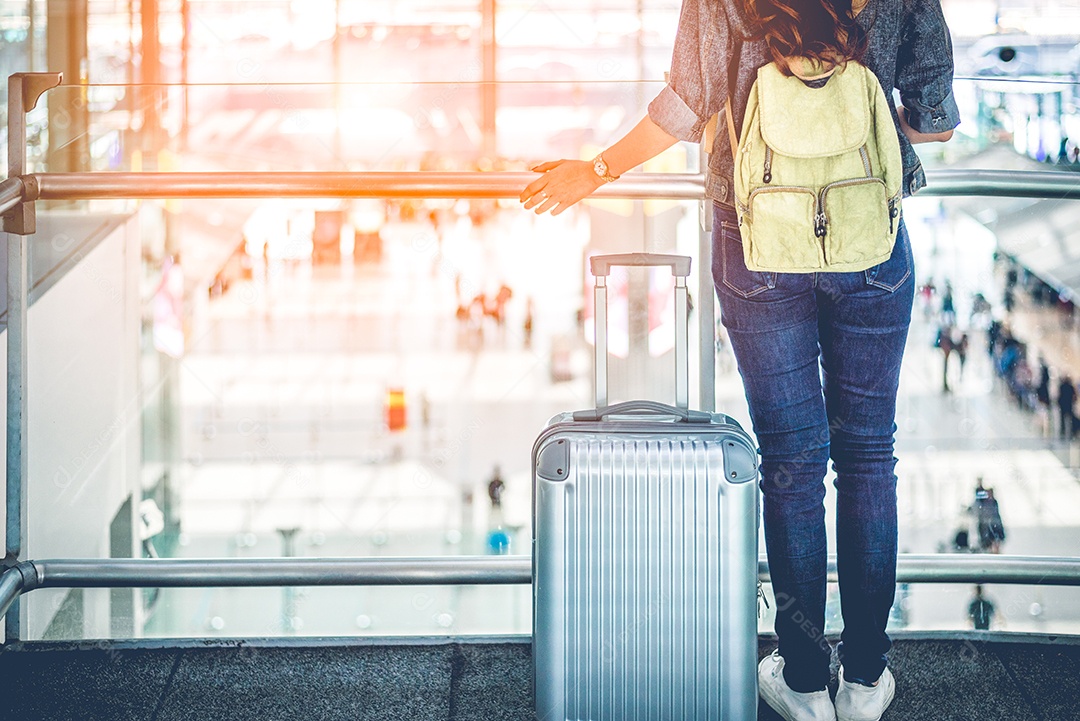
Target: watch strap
x=606 y=176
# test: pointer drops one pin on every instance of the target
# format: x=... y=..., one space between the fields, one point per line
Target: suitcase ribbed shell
x=645 y=571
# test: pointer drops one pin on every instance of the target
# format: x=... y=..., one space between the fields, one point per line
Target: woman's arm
x=924 y=73
x=696 y=90
x=565 y=182
x=914 y=135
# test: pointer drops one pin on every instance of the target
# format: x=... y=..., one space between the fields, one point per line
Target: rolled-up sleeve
x=697 y=84
x=674 y=116
x=924 y=73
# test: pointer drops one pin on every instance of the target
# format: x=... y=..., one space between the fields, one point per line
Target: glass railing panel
x=272 y=355
x=283 y=124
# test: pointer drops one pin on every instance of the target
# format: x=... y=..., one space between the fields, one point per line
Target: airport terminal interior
x=219 y=375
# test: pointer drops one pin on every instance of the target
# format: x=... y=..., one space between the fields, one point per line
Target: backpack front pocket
x=783 y=237
x=859 y=221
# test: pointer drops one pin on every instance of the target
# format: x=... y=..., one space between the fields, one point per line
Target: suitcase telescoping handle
x=601 y=266
x=644 y=408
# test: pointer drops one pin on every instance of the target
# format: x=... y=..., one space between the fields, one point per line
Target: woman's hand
x=563 y=183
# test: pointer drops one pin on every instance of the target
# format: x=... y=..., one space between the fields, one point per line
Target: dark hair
x=823 y=30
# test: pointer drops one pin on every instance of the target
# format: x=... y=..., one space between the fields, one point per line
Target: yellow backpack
x=818 y=172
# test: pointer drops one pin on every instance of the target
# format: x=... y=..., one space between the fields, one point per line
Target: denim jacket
x=909 y=49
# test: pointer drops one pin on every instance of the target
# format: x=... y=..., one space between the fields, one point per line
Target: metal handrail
x=1043 y=184
x=418 y=184
x=452 y=570
x=674 y=186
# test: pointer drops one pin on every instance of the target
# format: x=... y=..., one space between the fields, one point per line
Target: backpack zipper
x=744 y=211
x=821 y=221
x=851 y=181
x=767 y=177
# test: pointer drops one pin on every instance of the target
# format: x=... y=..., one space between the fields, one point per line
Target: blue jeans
x=819 y=355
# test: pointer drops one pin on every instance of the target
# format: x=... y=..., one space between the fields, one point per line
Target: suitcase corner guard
x=553 y=461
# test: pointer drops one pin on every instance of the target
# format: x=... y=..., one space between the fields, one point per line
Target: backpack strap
x=709 y=134
x=732 y=79
x=731 y=128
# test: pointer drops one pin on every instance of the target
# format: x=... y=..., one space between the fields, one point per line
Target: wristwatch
x=600 y=168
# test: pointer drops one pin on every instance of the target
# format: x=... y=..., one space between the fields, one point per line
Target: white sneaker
x=791 y=705
x=855 y=702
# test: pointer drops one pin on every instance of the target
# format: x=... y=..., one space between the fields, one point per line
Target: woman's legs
x=776 y=323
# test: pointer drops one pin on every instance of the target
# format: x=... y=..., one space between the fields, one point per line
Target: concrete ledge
x=939 y=676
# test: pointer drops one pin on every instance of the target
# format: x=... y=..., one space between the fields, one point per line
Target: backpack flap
x=792 y=134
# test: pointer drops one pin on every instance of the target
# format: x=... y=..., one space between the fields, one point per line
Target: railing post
x=706 y=305
x=24 y=90
x=17 y=290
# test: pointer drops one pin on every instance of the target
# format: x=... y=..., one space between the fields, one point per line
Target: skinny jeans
x=819 y=355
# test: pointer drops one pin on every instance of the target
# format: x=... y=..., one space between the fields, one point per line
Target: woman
x=819 y=353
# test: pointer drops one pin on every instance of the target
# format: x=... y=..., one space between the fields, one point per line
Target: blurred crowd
x=1048 y=393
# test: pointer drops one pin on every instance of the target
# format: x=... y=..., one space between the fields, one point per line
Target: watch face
x=600 y=166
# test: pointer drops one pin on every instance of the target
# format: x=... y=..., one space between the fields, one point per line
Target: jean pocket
x=733 y=272
x=891 y=274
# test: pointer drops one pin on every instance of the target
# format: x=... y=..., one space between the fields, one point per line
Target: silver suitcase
x=645 y=524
